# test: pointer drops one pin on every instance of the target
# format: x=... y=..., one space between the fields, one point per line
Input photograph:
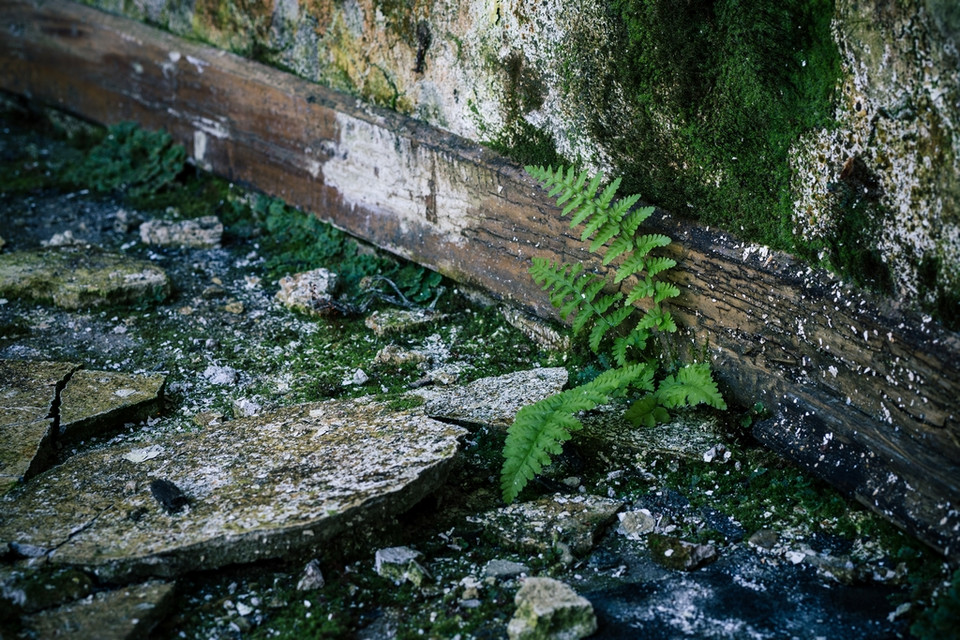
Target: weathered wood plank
x=863 y=394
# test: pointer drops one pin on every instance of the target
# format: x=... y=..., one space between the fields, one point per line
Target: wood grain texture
x=863 y=393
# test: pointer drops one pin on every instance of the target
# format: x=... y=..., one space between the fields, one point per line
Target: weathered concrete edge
x=767 y=322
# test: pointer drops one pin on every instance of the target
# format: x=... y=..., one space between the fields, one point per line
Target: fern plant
x=612 y=323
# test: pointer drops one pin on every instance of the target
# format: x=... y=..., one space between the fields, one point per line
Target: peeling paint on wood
x=881 y=380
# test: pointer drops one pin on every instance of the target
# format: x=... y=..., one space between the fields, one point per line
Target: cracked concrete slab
x=256 y=488
x=28 y=394
x=43 y=404
x=96 y=402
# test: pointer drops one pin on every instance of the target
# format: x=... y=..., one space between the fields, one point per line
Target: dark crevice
x=47 y=454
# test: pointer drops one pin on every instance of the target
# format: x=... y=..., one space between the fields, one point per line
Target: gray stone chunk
x=494 y=401
x=200 y=233
x=309 y=292
x=674 y=553
x=400 y=565
x=97 y=402
x=77 y=278
x=548 y=609
x=263 y=487
x=540 y=525
x=27 y=394
x=130 y=612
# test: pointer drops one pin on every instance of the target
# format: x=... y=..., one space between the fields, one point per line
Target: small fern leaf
x=664 y=290
x=596 y=336
x=643 y=289
x=616 y=318
x=609 y=229
x=646 y=412
x=622 y=207
x=606 y=197
x=633 y=221
x=659 y=265
x=599 y=219
x=588 y=209
x=646 y=243
x=618 y=247
x=692 y=385
x=634 y=264
x=580 y=322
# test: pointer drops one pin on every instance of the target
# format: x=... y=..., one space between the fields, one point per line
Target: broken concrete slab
x=543 y=524
x=261 y=487
x=494 y=401
x=73 y=277
x=97 y=402
x=28 y=393
x=30 y=587
x=127 y=613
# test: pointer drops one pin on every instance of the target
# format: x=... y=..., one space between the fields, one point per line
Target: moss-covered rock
x=74 y=277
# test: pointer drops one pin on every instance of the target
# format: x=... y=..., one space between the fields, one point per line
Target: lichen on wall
x=895 y=150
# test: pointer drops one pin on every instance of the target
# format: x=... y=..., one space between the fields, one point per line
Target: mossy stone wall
x=824 y=127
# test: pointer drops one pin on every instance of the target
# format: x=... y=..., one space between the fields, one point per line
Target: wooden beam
x=863 y=393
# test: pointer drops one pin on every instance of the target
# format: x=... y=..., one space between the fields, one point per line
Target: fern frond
x=659 y=264
x=620 y=245
x=647 y=243
x=635 y=263
x=692 y=385
x=539 y=429
x=643 y=289
x=664 y=290
x=609 y=229
x=646 y=412
x=633 y=221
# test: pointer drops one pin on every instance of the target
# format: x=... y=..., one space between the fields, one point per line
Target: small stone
x=357 y=378
x=124 y=221
x=635 y=524
x=392 y=321
x=548 y=609
x=213 y=291
x=245 y=408
x=674 y=553
x=220 y=375
x=62 y=239
x=400 y=565
x=504 y=569
x=201 y=233
x=312 y=577
x=234 y=307
x=536 y=330
x=395 y=355
x=244 y=609
x=309 y=292
x=764 y=538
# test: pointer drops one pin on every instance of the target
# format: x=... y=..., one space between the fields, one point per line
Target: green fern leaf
x=621 y=208
x=607 y=196
x=634 y=264
x=691 y=386
x=619 y=246
x=633 y=221
x=643 y=289
x=664 y=290
x=646 y=412
x=659 y=265
x=609 y=229
x=646 y=243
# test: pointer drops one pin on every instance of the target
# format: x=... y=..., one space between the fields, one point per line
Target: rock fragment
x=504 y=569
x=636 y=524
x=394 y=321
x=97 y=402
x=495 y=400
x=310 y=292
x=201 y=233
x=674 y=553
x=312 y=577
x=541 y=525
x=28 y=391
x=548 y=609
x=400 y=565
x=127 y=613
x=79 y=278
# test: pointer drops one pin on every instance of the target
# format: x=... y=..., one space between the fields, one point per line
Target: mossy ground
x=283 y=358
